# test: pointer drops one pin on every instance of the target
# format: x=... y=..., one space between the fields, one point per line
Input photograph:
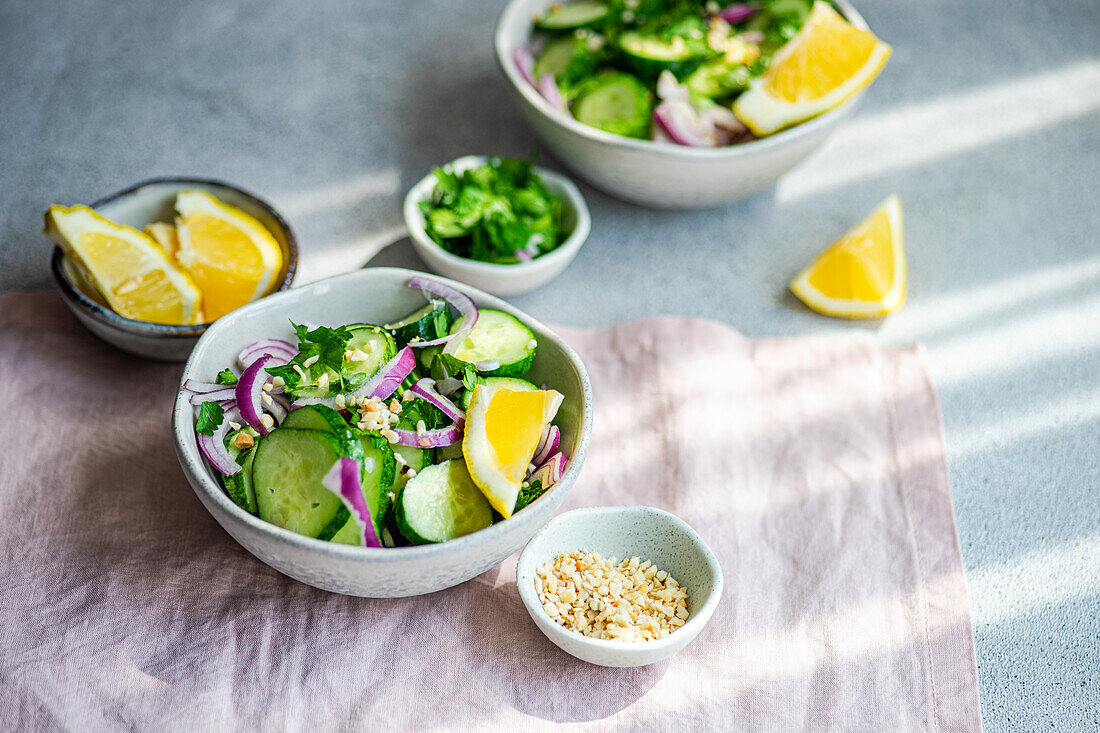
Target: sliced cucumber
x=573 y=15
x=440 y=503
x=716 y=79
x=239 y=486
x=449 y=452
x=500 y=337
x=415 y=458
x=568 y=59
x=427 y=355
x=316 y=417
x=287 y=472
x=428 y=323
x=649 y=55
x=374 y=341
x=516 y=385
x=615 y=102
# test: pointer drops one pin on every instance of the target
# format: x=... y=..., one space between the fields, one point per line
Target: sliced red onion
x=448 y=386
x=548 y=88
x=343 y=480
x=682 y=123
x=737 y=13
x=458 y=300
x=723 y=118
x=525 y=63
x=283 y=352
x=424 y=389
x=192 y=385
x=670 y=90
x=250 y=390
x=550 y=472
x=213 y=446
x=440 y=438
x=487 y=365
x=549 y=443
x=221 y=393
x=523 y=255
x=278 y=408
x=752 y=36
x=386 y=381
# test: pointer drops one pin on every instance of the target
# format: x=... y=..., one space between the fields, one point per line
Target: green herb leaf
x=226 y=376
x=210 y=418
x=529 y=494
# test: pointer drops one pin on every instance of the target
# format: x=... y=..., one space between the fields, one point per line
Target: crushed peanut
x=628 y=601
x=243 y=441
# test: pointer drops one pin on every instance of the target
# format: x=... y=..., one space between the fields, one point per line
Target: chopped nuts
x=628 y=601
x=310 y=361
x=243 y=441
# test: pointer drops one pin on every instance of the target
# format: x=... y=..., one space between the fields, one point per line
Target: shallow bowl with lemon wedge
x=812 y=85
x=277 y=533
x=149 y=268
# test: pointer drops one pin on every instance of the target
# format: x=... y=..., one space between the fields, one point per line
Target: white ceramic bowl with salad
x=361 y=452
x=508 y=278
x=654 y=173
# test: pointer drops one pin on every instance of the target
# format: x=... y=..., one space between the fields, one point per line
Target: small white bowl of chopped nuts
x=619 y=586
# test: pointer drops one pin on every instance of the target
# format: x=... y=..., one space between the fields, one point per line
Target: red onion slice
x=213 y=446
x=448 y=386
x=424 y=390
x=670 y=90
x=681 y=122
x=753 y=36
x=343 y=480
x=523 y=255
x=193 y=385
x=386 y=380
x=458 y=300
x=549 y=443
x=249 y=393
x=283 y=351
x=278 y=408
x=548 y=88
x=737 y=13
x=525 y=63
x=550 y=472
x=220 y=394
x=440 y=438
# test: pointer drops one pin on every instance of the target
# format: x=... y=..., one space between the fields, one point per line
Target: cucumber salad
x=663 y=70
x=407 y=433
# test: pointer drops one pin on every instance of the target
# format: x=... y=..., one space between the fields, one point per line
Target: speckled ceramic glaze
x=377 y=295
x=659 y=175
x=624 y=532
x=144 y=203
x=492 y=278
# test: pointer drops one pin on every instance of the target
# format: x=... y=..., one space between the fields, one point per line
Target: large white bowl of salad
x=638 y=96
x=382 y=433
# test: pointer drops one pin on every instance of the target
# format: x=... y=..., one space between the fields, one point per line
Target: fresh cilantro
x=529 y=494
x=290 y=375
x=490 y=212
x=328 y=345
x=210 y=418
x=226 y=376
x=470 y=378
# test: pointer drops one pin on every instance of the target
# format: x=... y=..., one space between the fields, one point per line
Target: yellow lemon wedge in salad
x=862 y=275
x=232 y=257
x=503 y=428
x=128 y=268
x=824 y=65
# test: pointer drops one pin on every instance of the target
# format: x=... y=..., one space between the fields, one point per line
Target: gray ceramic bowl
x=493 y=278
x=624 y=532
x=659 y=175
x=377 y=295
x=141 y=204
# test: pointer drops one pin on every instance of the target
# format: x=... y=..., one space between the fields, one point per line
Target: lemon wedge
x=503 y=428
x=231 y=256
x=132 y=273
x=165 y=236
x=862 y=275
x=827 y=62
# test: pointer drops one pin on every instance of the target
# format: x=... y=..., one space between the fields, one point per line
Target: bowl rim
x=695 y=622
x=131 y=325
x=809 y=127
x=562 y=254
x=195 y=467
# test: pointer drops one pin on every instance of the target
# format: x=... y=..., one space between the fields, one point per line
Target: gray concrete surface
x=986 y=122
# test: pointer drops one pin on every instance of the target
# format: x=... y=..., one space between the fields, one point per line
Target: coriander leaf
x=226 y=376
x=210 y=418
x=290 y=375
x=529 y=494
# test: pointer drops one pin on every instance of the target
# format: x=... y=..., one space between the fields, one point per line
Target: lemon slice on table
x=232 y=256
x=819 y=69
x=128 y=268
x=862 y=275
x=503 y=428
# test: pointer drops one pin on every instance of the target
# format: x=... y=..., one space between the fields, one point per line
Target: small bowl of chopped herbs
x=503 y=225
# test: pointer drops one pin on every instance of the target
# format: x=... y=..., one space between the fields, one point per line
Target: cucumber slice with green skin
x=428 y=323
x=440 y=503
x=555 y=57
x=568 y=59
x=238 y=487
x=617 y=103
x=516 y=385
x=384 y=349
x=427 y=355
x=500 y=337
x=649 y=55
x=317 y=417
x=716 y=79
x=415 y=458
x=287 y=472
x=573 y=15
x=449 y=452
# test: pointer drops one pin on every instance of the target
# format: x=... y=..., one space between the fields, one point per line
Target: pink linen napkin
x=814 y=468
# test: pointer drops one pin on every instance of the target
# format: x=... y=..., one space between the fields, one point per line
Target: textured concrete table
x=986 y=122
